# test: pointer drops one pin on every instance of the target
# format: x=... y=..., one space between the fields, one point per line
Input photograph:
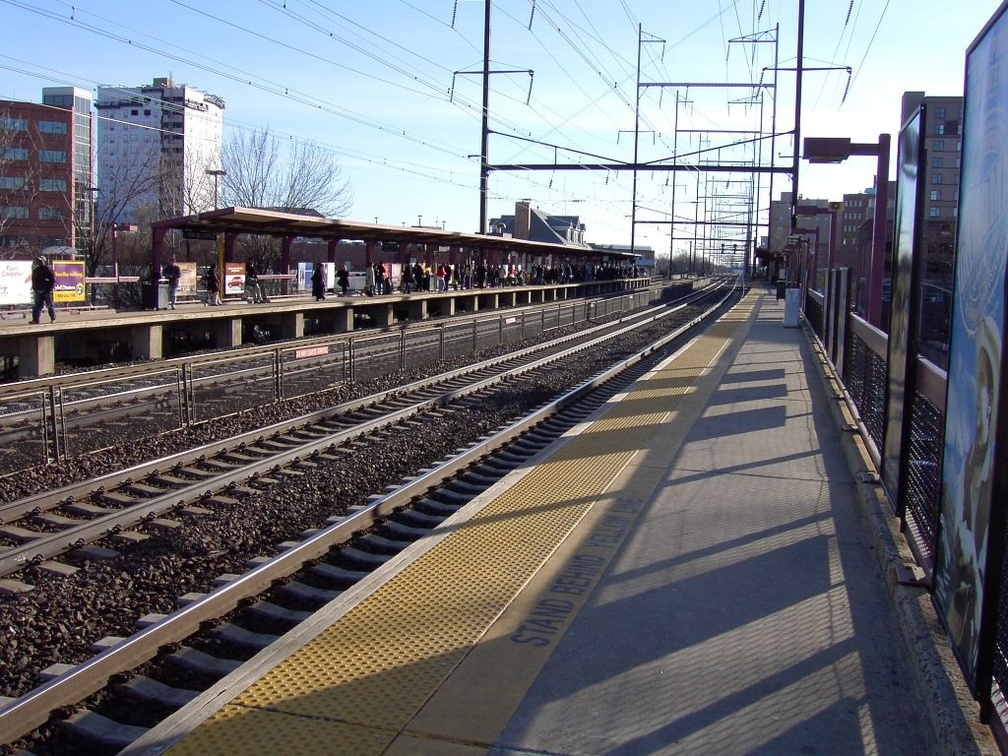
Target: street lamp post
x=216 y=173
x=835 y=150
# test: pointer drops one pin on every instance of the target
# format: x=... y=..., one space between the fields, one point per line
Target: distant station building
x=45 y=172
x=532 y=224
x=159 y=146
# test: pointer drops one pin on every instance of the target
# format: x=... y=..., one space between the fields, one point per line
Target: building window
x=15 y=153
x=13 y=212
x=52 y=156
x=52 y=185
x=937 y=161
x=12 y=183
x=936 y=178
x=934 y=212
x=52 y=213
x=135 y=112
x=938 y=145
x=936 y=195
x=940 y=114
x=13 y=124
x=940 y=128
x=10 y=242
x=52 y=127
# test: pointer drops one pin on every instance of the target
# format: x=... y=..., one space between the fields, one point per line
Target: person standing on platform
x=318 y=283
x=213 y=298
x=43 y=282
x=418 y=276
x=369 y=280
x=173 y=274
x=343 y=277
x=252 y=285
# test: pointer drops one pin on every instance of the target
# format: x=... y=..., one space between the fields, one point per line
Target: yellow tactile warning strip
x=362 y=682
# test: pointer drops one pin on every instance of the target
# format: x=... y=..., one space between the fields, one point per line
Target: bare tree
x=263 y=171
x=187 y=187
x=120 y=189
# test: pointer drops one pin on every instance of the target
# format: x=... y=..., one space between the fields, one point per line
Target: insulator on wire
x=531 y=15
x=454 y=13
x=846 y=88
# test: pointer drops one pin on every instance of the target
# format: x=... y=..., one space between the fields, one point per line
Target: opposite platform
x=683 y=574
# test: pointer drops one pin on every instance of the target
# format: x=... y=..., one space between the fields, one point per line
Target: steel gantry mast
x=674 y=162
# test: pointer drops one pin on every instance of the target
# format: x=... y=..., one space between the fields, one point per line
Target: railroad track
x=391 y=521
x=44 y=526
x=58 y=418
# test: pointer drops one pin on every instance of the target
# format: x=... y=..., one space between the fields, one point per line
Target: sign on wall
x=971 y=467
x=69 y=275
x=234 y=278
x=15 y=282
x=903 y=307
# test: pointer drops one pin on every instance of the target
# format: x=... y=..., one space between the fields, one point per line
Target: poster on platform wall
x=187 y=277
x=971 y=469
x=15 y=282
x=69 y=275
x=234 y=278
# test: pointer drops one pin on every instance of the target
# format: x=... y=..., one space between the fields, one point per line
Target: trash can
x=781 y=288
x=163 y=295
x=154 y=294
x=792 y=302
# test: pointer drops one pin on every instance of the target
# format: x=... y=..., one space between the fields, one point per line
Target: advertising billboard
x=187 y=277
x=903 y=305
x=971 y=470
x=234 y=278
x=15 y=282
x=69 y=275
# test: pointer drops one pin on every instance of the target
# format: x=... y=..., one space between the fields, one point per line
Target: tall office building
x=156 y=145
x=45 y=171
x=942 y=127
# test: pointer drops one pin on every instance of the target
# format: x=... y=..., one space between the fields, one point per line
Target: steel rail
x=31 y=710
x=47 y=546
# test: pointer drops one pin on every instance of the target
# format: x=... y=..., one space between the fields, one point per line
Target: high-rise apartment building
x=45 y=171
x=156 y=147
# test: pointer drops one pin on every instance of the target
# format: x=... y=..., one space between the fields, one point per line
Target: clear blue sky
x=373 y=81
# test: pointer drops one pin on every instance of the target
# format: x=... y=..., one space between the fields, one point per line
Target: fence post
x=278 y=389
x=51 y=425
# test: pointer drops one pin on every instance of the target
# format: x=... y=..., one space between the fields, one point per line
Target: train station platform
x=93 y=334
x=690 y=571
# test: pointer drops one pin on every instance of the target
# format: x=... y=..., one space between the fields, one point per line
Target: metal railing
x=69 y=418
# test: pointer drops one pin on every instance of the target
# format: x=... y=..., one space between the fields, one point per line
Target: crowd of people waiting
x=447 y=276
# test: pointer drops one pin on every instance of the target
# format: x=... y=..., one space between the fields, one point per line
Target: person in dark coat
x=318 y=283
x=252 y=285
x=173 y=273
x=213 y=298
x=418 y=277
x=343 y=277
x=43 y=282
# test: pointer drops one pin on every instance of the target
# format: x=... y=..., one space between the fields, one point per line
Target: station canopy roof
x=246 y=220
